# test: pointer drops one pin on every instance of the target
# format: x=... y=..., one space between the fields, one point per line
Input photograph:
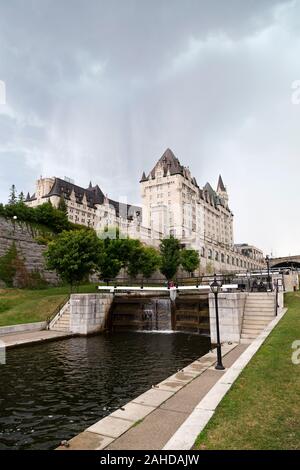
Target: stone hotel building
x=172 y=204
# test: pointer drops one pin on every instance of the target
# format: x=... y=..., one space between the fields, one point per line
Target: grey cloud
x=99 y=89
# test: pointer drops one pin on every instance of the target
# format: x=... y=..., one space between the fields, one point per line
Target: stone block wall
x=88 y=312
x=231 y=311
x=24 y=237
x=291 y=281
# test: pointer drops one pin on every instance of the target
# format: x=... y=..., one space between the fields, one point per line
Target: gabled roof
x=169 y=163
x=93 y=195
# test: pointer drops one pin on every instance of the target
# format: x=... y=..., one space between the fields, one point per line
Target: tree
x=170 y=257
x=62 y=206
x=12 y=196
x=47 y=215
x=21 y=197
x=189 y=260
x=73 y=255
x=150 y=261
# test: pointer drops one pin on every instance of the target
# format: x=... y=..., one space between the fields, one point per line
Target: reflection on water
x=53 y=391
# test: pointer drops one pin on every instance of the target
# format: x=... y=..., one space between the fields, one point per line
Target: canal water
x=52 y=391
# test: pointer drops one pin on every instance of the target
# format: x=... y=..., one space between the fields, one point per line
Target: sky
x=97 y=90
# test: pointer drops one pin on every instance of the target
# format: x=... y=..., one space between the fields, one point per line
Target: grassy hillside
x=25 y=306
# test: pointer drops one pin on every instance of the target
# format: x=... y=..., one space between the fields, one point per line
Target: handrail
x=56 y=311
x=276 y=299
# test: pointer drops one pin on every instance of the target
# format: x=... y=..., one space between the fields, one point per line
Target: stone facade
x=90 y=207
x=172 y=204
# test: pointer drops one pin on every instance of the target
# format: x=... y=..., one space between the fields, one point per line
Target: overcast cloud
x=97 y=90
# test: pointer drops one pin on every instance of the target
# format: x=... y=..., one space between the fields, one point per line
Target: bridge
x=286 y=262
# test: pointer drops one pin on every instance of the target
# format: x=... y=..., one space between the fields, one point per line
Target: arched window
x=209 y=254
x=217 y=256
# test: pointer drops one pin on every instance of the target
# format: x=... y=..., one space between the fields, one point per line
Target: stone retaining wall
x=24 y=237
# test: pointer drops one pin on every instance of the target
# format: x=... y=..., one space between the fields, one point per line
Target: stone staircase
x=260 y=309
x=61 y=322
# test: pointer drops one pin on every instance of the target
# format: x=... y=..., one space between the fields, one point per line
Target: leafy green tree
x=150 y=261
x=108 y=266
x=189 y=260
x=170 y=257
x=74 y=255
x=47 y=215
x=62 y=206
x=12 y=196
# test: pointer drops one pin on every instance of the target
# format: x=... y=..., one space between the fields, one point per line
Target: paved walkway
x=150 y=420
x=158 y=427
x=29 y=337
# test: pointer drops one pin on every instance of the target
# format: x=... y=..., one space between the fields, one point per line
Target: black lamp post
x=215 y=287
x=269 y=277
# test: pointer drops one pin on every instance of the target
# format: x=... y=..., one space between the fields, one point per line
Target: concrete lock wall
x=38 y=326
x=291 y=281
x=88 y=312
x=231 y=311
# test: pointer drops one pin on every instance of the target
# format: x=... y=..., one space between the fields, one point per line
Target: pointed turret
x=90 y=185
x=27 y=197
x=144 y=177
x=222 y=192
x=221 y=187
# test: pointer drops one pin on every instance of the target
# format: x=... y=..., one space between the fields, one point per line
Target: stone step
x=260 y=294
x=255 y=321
x=255 y=311
x=259 y=308
x=260 y=302
x=261 y=317
x=248 y=336
x=251 y=331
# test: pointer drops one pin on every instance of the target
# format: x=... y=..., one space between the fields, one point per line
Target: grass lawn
x=26 y=306
x=262 y=409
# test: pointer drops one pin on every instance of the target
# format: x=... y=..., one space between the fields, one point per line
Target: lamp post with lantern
x=215 y=288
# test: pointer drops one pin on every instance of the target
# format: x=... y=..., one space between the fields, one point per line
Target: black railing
x=248 y=282
x=56 y=311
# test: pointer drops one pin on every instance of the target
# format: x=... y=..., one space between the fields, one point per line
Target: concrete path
x=150 y=420
x=158 y=427
x=29 y=337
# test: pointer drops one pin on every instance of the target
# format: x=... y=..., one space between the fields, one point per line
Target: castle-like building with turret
x=172 y=204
